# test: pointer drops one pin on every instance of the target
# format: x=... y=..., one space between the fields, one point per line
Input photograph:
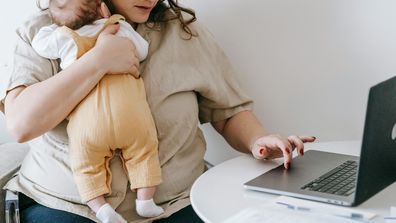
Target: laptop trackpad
x=303 y=170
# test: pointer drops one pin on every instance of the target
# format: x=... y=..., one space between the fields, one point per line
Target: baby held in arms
x=114 y=116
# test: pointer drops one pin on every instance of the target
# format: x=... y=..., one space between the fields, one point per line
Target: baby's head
x=74 y=13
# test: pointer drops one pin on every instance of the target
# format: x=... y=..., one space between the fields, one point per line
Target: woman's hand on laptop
x=274 y=146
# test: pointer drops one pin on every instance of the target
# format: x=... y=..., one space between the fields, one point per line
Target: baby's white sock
x=147 y=208
x=106 y=214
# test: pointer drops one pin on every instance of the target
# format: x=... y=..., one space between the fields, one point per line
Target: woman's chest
x=172 y=97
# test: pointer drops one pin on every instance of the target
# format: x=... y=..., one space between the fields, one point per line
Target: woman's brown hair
x=159 y=15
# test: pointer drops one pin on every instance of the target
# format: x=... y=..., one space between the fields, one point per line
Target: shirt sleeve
x=221 y=95
x=51 y=43
x=45 y=42
x=126 y=30
x=28 y=67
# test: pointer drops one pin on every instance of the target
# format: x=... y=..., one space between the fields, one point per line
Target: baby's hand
x=274 y=146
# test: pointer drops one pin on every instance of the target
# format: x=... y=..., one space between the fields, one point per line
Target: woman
x=188 y=80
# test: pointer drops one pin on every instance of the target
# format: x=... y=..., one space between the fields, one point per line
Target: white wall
x=4 y=135
x=308 y=64
x=13 y=13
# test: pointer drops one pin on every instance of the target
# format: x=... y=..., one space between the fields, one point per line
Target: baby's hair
x=85 y=13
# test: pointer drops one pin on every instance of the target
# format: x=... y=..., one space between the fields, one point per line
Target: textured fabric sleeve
x=45 y=42
x=27 y=66
x=126 y=30
x=221 y=95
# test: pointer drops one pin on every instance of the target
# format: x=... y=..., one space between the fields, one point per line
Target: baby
x=115 y=114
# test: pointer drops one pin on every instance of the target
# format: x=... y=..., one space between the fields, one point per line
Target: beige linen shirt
x=188 y=82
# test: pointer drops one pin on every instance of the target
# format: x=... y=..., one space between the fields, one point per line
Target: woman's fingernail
x=302 y=152
x=287 y=166
x=313 y=137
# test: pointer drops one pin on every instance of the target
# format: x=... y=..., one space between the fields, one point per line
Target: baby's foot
x=106 y=214
x=147 y=208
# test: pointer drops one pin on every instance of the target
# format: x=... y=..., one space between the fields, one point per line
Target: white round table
x=219 y=192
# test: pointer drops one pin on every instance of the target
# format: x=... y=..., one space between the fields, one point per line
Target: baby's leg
x=145 y=205
x=90 y=164
x=104 y=212
x=144 y=173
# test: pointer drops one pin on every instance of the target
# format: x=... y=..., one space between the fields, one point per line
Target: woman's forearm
x=241 y=130
x=34 y=110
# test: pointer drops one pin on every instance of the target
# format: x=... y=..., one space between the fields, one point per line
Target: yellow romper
x=115 y=115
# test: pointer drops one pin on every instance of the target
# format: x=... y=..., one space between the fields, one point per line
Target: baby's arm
x=126 y=30
x=45 y=42
x=51 y=43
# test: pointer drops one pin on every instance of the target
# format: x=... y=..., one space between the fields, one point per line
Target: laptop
x=342 y=179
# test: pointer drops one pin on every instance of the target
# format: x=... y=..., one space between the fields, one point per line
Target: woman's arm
x=33 y=110
x=245 y=133
x=240 y=131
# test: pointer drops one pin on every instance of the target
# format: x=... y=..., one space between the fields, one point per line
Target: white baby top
x=52 y=43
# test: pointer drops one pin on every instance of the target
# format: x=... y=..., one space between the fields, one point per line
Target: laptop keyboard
x=338 y=181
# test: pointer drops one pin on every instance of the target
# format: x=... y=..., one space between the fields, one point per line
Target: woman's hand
x=274 y=146
x=116 y=55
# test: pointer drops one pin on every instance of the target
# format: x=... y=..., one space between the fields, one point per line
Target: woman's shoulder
x=172 y=30
x=201 y=35
x=33 y=24
x=170 y=35
x=196 y=27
